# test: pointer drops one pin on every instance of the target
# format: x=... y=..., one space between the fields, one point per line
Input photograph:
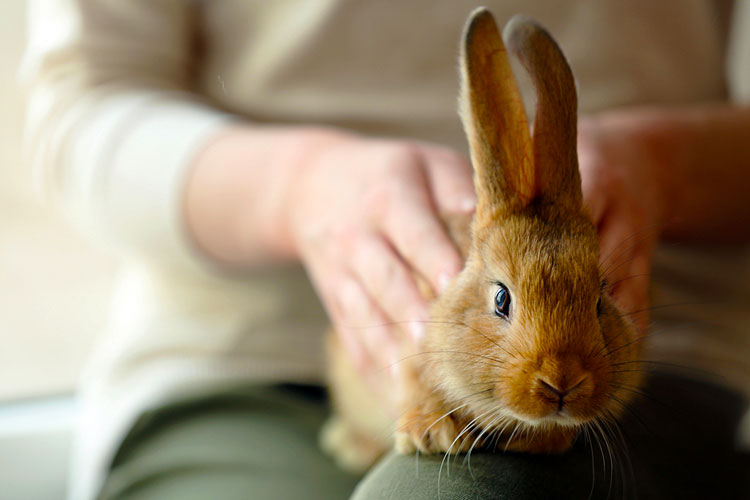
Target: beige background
x=54 y=286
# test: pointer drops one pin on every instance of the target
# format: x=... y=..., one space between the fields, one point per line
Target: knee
x=486 y=476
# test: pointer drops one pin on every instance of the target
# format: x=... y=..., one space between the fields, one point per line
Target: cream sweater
x=124 y=93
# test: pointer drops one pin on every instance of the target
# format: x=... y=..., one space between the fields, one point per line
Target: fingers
x=623 y=235
x=597 y=177
x=633 y=293
x=372 y=343
x=383 y=274
x=593 y=189
x=411 y=223
x=364 y=242
x=616 y=243
x=423 y=242
x=451 y=180
x=616 y=191
x=361 y=326
x=626 y=261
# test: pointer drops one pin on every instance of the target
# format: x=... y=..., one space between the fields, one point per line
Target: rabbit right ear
x=555 y=157
x=495 y=122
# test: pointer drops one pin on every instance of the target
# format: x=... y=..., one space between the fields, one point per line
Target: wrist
x=303 y=152
x=237 y=196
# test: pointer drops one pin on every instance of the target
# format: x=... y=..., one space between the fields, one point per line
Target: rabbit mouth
x=560 y=417
x=546 y=410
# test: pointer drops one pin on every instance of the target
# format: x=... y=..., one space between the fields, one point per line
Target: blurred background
x=54 y=293
x=54 y=296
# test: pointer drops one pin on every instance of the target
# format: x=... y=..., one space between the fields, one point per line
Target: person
x=248 y=157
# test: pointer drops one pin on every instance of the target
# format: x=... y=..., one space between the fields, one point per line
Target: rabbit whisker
x=467 y=428
x=440 y=322
x=627 y=344
x=587 y=439
x=498 y=434
x=625 y=450
x=635 y=391
x=459 y=400
x=486 y=428
x=512 y=434
x=649 y=230
x=603 y=437
x=447 y=453
x=599 y=439
x=622 y=452
x=632 y=276
x=634 y=370
x=666 y=364
x=630 y=411
x=612 y=262
x=666 y=306
x=496 y=362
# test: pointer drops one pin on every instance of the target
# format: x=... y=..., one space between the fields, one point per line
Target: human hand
x=621 y=185
x=364 y=217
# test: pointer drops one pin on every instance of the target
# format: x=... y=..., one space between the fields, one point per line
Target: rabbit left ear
x=494 y=121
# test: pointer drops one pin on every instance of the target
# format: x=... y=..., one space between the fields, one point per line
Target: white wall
x=35 y=443
x=53 y=285
x=54 y=291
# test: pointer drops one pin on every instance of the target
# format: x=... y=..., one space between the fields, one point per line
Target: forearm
x=701 y=157
x=237 y=192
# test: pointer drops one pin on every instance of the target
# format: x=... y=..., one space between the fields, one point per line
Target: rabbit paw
x=431 y=432
x=352 y=450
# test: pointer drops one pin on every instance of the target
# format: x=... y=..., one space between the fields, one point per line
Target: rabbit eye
x=502 y=301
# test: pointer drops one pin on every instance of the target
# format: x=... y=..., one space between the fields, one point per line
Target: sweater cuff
x=139 y=196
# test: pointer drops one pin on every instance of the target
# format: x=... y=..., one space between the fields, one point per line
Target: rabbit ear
x=495 y=122
x=555 y=160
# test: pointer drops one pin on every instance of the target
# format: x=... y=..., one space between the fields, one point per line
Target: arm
x=130 y=151
x=361 y=214
x=697 y=159
x=672 y=173
x=111 y=125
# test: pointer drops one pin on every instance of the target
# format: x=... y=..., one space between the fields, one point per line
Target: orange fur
x=483 y=378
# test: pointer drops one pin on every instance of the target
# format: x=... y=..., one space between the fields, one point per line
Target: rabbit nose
x=560 y=391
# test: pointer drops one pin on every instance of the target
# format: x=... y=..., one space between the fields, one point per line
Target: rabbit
x=525 y=347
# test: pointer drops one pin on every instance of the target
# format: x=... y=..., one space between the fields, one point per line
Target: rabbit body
x=560 y=355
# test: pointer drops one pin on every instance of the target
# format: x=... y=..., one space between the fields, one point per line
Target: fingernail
x=443 y=280
x=416 y=330
x=468 y=205
x=394 y=369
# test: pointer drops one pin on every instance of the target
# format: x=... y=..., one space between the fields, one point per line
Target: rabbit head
x=526 y=332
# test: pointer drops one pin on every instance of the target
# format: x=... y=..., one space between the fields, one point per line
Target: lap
x=261 y=443
x=676 y=442
x=245 y=443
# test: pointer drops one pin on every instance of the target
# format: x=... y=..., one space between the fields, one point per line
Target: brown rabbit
x=525 y=347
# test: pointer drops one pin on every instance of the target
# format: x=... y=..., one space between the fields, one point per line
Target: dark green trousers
x=261 y=443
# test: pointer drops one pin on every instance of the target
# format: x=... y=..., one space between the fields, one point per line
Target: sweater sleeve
x=112 y=123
